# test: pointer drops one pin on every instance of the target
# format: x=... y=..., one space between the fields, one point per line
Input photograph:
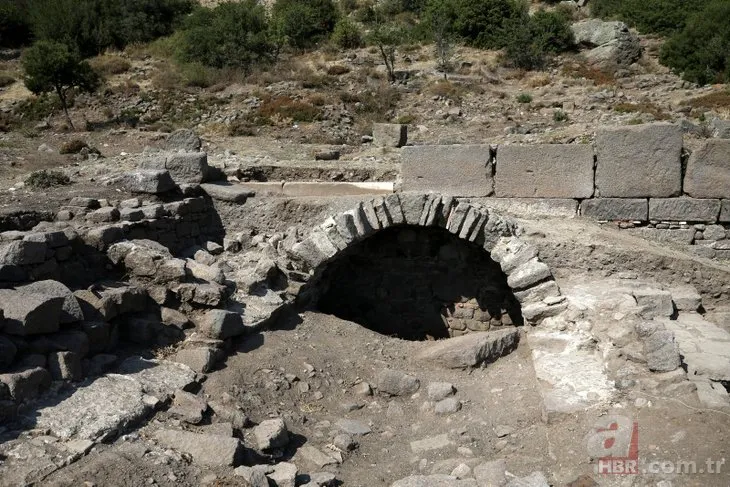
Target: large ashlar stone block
x=639 y=161
x=613 y=209
x=708 y=171
x=544 y=171
x=457 y=170
x=684 y=209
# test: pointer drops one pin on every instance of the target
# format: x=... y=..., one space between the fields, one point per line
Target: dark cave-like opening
x=417 y=283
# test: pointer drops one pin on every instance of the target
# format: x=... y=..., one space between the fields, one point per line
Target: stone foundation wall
x=638 y=176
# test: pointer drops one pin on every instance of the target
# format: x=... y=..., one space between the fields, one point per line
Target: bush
x=110 y=65
x=230 y=35
x=347 y=34
x=530 y=41
x=303 y=23
x=286 y=108
x=337 y=70
x=701 y=51
x=46 y=179
x=560 y=116
x=524 y=98
x=657 y=16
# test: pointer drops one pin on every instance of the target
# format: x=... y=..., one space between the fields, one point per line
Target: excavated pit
x=417 y=283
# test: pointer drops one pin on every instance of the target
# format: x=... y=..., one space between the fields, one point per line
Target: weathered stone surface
x=660 y=348
x=437 y=480
x=184 y=167
x=339 y=188
x=528 y=274
x=211 y=450
x=511 y=253
x=131 y=215
x=150 y=181
x=52 y=239
x=536 y=294
x=654 y=303
x=222 y=324
x=26 y=384
x=457 y=170
x=28 y=312
x=159 y=378
x=353 y=427
x=684 y=209
x=491 y=474
x=22 y=252
x=200 y=359
x=210 y=273
x=440 y=390
x=102 y=215
x=532 y=207
x=612 y=42
x=70 y=311
x=315 y=456
x=725 y=211
x=183 y=140
x=708 y=170
x=449 y=405
x=390 y=134
x=612 y=209
x=704 y=346
x=232 y=193
x=650 y=154
x=396 y=383
x=686 y=298
x=471 y=350
x=544 y=171
x=284 y=474
x=271 y=433
x=535 y=479
x=188 y=407
x=412 y=204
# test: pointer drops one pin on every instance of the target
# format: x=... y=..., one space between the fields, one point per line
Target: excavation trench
x=416 y=283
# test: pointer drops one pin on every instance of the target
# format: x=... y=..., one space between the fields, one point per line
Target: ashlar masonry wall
x=635 y=175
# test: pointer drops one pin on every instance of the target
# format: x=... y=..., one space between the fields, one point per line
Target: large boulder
x=184 y=167
x=472 y=349
x=149 y=181
x=34 y=308
x=610 y=43
x=183 y=140
x=71 y=310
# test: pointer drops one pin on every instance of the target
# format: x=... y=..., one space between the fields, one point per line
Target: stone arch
x=530 y=280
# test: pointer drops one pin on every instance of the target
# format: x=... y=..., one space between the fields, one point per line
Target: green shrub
x=303 y=23
x=91 y=26
x=46 y=179
x=109 y=65
x=347 y=34
x=657 y=16
x=230 y=35
x=529 y=41
x=524 y=98
x=701 y=51
x=560 y=116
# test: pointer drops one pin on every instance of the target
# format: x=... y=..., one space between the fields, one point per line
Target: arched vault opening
x=425 y=266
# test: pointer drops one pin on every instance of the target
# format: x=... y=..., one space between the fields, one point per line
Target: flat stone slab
x=616 y=209
x=725 y=211
x=684 y=209
x=708 y=170
x=232 y=193
x=455 y=170
x=639 y=161
x=304 y=188
x=438 y=442
x=544 y=171
x=571 y=377
x=212 y=450
x=471 y=350
x=705 y=347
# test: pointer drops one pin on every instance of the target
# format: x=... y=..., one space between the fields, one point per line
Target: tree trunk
x=62 y=96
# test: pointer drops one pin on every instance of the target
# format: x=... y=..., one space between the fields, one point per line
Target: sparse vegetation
x=47 y=179
x=560 y=116
x=108 y=65
x=710 y=101
x=644 y=107
x=72 y=146
x=524 y=98
x=347 y=34
x=581 y=70
x=284 y=107
x=6 y=80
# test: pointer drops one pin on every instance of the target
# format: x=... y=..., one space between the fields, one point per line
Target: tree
x=439 y=17
x=54 y=67
x=304 y=22
x=387 y=37
x=15 y=29
x=230 y=35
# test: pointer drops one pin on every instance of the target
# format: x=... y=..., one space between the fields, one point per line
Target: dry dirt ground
x=308 y=368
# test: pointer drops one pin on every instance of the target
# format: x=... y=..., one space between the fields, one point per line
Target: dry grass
x=644 y=107
x=284 y=107
x=337 y=70
x=711 y=101
x=538 y=80
x=110 y=64
x=598 y=76
x=6 y=80
x=448 y=90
